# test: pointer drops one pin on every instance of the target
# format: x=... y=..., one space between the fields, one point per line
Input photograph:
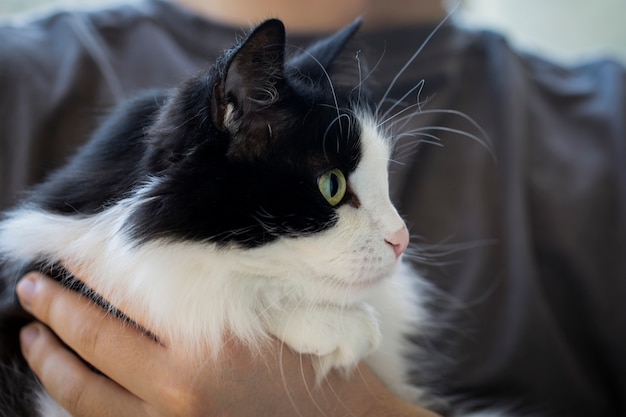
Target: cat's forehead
x=323 y=136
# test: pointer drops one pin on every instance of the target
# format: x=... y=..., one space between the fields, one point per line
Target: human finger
x=118 y=350
x=70 y=382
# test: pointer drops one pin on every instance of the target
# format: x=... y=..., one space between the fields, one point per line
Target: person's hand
x=146 y=378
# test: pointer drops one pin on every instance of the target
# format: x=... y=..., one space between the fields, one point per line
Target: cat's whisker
x=485 y=142
x=415 y=55
x=436 y=140
x=396 y=162
x=397 y=124
x=482 y=137
x=328 y=78
x=286 y=381
x=329 y=127
x=308 y=388
x=372 y=71
x=392 y=101
x=459 y=132
x=392 y=122
x=434 y=253
x=284 y=296
x=360 y=72
x=269 y=131
x=367 y=385
x=460 y=114
x=430 y=142
x=406 y=149
x=419 y=87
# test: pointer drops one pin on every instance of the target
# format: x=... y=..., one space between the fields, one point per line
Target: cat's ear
x=251 y=74
x=314 y=63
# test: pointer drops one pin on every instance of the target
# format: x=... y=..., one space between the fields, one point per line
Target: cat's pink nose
x=399 y=240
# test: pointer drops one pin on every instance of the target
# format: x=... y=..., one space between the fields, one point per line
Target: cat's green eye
x=332 y=185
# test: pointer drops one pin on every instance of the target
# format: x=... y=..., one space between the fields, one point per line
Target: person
x=519 y=216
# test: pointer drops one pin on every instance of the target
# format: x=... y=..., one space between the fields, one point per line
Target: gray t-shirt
x=525 y=236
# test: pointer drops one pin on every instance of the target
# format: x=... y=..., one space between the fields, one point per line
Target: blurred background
x=566 y=30
x=569 y=30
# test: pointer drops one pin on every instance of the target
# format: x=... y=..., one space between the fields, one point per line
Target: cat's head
x=263 y=156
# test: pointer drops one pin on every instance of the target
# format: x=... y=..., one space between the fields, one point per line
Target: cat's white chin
x=356 y=285
x=363 y=282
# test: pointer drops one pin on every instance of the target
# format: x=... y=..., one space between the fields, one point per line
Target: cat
x=252 y=199
x=256 y=185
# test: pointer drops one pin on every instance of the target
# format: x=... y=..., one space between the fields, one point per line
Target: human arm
x=149 y=379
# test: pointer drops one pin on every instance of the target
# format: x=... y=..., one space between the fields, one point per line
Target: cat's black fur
x=152 y=136
x=248 y=136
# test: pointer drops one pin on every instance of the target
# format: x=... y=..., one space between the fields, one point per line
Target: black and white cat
x=253 y=199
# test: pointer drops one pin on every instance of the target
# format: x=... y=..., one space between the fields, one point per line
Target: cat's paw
x=339 y=337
